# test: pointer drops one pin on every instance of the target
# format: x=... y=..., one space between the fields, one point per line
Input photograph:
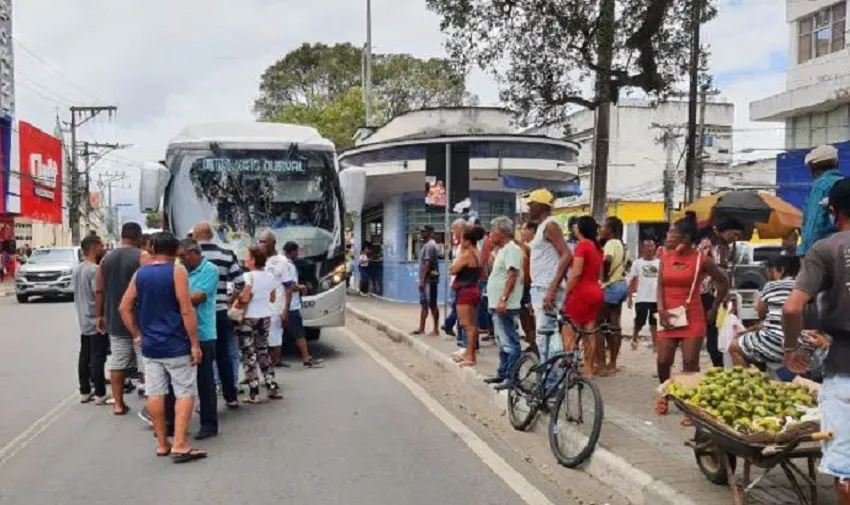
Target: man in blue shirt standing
x=823 y=163
x=203 y=282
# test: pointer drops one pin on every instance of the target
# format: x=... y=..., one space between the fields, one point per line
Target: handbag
x=235 y=312
x=678 y=316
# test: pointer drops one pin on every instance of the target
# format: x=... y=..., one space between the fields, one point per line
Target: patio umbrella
x=770 y=215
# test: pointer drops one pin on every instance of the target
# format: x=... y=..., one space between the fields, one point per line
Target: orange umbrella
x=784 y=217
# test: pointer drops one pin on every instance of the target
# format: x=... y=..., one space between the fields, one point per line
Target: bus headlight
x=333 y=278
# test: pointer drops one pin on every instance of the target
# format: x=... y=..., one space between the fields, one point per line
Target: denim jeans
x=207 y=398
x=546 y=325
x=452 y=321
x=227 y=356
x=507 y=337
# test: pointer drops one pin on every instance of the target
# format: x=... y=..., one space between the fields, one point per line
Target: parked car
x=750 y=270
x=47 y=273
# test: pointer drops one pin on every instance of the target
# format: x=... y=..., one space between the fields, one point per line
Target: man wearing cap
x=429 y=277
x=549 y=259
x=823 y=163
x=825 y=274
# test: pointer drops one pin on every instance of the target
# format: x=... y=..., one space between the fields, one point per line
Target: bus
x=245 y=178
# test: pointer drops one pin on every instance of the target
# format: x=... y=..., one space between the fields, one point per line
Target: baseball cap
x=822 y=153
x=541 y=196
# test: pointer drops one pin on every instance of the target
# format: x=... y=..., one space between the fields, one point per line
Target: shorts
x=177 y=372
x=276 y=332
x=468 y=295
x=428 y=296
x=615 y=293
x=645 y=311
x=835 y=417
x=125 y=354
x=295 y=327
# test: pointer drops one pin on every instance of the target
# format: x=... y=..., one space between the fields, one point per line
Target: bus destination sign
x=253 y=165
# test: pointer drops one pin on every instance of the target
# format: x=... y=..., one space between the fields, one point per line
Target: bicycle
x=540 y=384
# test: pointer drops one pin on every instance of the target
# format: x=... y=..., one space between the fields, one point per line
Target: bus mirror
x=152 y=187
x=353 y=183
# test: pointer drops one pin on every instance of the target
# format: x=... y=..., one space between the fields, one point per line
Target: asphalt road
x=349 y=434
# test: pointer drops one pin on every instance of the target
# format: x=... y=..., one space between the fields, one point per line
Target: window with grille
x=822 y=33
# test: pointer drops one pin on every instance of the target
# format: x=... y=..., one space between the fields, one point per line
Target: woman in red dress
x=683 y=268
x=584 y=294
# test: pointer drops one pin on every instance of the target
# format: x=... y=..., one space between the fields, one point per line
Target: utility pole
x=88 y=153
x=668 y=138
x=704 y=93
x=367 y=84
x=79 y=117
x=691 y=159
x=605 y=49
x=107 y=180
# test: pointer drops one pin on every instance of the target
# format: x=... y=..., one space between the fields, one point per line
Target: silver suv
x=47 y=273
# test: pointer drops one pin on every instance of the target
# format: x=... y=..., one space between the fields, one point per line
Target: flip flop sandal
x=232 y=405
x=123 y=411
x=191 y=455
x=252 y=401
x=163 y=454
x=466 y=363
x=661 y=406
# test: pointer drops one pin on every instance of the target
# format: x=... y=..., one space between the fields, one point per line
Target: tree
x=153 y=220
x=546 y=57
x=550 y=57
x=320 y=86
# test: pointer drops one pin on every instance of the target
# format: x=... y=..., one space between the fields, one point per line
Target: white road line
x=515 y=480
x=35 y=429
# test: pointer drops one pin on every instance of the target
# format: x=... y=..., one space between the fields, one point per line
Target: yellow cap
x=541 y=196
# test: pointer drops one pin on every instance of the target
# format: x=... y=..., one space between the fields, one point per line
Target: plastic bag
x=729 y=331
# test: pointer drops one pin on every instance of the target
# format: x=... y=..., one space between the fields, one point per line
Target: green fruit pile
x=745 y=399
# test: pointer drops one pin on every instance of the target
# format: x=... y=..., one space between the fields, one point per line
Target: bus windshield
x=293 y=193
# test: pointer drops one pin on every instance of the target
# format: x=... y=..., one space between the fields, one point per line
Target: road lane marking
x=27 y=436
x=515 y=480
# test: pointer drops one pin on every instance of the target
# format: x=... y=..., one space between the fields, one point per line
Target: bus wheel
x=312 y=333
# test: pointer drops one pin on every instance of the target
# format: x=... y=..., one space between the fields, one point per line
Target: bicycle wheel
x=525 y=386
x=573 y=443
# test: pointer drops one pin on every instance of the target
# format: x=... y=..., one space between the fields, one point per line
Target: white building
x=637 y=157
x=814 y=105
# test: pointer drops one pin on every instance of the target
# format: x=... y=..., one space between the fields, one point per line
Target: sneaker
x=141 y=392
x=86 y=397
x=460 y=351
x=100 y=400
x=313 y=362
x=145 y=417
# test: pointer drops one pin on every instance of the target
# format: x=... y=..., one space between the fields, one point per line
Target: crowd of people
x=184 y=314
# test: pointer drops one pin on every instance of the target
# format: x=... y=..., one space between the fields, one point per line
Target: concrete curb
x=637 y=486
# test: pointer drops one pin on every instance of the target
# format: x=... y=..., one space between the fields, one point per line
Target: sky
x=166 y=64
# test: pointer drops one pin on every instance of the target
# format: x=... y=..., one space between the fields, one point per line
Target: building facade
x=638 y=157
x=815 y=106
x=497 y=164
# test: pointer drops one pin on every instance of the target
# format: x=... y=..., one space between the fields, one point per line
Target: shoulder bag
x=236 y=312
x=678 y=316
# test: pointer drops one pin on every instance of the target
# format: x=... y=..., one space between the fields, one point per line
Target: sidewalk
x=641 y=455
x=7 y=288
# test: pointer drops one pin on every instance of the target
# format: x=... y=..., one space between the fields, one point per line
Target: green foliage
x=153 y=220
x=320 y=86
x=545 y=54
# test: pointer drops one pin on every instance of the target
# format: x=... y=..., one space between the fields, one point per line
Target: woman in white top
x=257 y=297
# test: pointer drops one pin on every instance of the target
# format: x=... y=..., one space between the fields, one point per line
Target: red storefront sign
x=41 y=174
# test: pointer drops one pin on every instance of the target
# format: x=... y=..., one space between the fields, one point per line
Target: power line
x=54 y=69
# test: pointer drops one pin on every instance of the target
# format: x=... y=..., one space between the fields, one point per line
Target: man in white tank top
x=549 y=260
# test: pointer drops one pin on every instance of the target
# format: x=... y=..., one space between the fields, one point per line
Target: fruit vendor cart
x=717 y=448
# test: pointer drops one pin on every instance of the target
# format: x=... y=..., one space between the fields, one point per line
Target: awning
x=558 y=188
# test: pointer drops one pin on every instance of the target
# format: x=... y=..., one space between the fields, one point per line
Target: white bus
x=248 y=177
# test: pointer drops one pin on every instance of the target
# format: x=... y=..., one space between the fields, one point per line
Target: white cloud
x=167 y=64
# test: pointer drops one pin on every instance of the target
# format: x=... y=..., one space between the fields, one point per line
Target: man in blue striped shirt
x=227 y=348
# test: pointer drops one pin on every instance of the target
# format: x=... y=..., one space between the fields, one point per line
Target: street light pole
x=367 y=85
